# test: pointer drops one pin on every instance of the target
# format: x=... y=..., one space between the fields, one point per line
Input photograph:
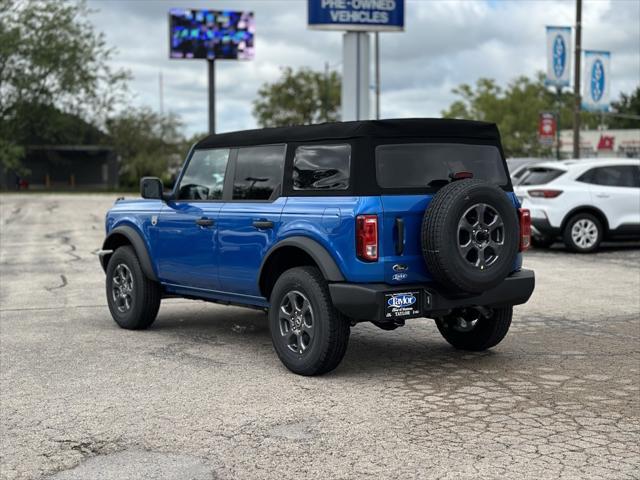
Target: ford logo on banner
x=402 y=300
x=559 y=56
x=597 y=80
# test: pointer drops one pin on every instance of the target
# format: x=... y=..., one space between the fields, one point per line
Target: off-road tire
x=488 y=332
x=440 y=236
x=332 y=329
x=568 y=239
x=146 y=294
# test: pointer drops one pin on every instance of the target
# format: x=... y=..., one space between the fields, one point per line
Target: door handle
x=263 y=224
x=400 y=228
x=204 y=222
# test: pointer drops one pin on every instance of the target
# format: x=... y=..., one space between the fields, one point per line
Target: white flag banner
x=558 y=56
x=596 y=80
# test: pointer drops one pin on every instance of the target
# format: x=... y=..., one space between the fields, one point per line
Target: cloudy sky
x=445 y=43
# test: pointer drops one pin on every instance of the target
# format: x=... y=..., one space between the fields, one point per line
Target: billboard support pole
x=211 y=66
x=576 y=82
x=355 y=76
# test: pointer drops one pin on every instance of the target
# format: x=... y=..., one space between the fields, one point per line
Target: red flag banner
x=547 y=128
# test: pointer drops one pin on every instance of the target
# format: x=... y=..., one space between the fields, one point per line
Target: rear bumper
x=541 y=226
x=380 y=302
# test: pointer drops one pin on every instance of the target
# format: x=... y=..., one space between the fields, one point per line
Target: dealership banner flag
x=596 y=80
x=558 y=56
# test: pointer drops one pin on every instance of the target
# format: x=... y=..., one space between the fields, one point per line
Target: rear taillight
x=525 y=228
x=367 y=237
x=545 y=193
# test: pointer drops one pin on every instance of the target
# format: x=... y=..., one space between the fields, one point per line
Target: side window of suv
x=613 y=176
x=322 y=167
x=258 y=172
x=204 y=177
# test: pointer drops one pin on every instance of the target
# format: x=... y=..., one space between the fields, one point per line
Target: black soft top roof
x=405 y=127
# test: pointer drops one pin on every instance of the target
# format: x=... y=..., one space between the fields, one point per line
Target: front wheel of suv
x=133 y=299
x=583 y=233
x=309 y=335
x=475 y=329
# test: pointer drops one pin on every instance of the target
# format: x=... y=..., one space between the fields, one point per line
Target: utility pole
x=325 y=99
x=576 y=79
x=558 y=114
x=377 y=66
x=161 y=94
x=211 y=65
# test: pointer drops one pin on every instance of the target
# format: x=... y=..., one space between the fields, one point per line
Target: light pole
x=576 y=85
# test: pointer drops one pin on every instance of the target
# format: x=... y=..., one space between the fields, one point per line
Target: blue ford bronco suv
x=325 y=226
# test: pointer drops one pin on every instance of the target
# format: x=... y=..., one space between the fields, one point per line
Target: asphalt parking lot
x=202 y=395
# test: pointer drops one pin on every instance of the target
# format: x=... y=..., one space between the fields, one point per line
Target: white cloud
x=445 y=43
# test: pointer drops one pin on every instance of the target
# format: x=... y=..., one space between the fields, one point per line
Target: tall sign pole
x=357 y=18
x=377 y=70
x=211 y=66
x=355 y=76
x=576 y=80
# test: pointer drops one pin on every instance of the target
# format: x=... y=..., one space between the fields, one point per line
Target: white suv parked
x=582 y=201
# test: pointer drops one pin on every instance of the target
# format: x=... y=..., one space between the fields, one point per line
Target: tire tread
x=150 y=292
x=337 y=340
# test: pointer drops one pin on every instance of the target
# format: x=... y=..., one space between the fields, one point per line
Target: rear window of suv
x=321 y=167
x=424 y=165
x=539 y=175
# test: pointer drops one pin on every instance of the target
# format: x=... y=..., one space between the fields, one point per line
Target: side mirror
x=151 y=187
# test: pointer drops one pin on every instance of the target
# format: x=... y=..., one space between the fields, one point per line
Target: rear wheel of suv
x=470 y=236
x=309 y=335
x=475 y=329
x=583 y=233
x=133 y=299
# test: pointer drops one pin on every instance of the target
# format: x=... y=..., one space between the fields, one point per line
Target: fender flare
x=589 y=208
x=327 y=265
x=135 y=239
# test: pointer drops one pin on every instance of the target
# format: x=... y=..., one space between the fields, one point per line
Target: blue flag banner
x=596 y=81
x=558 y=56
x=356 y=15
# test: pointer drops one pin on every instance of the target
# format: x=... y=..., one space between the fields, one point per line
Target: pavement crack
x=64 y=237
x=13 y=216
x=64 y=283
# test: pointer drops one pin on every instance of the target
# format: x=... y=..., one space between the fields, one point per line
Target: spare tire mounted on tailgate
x=470 y=236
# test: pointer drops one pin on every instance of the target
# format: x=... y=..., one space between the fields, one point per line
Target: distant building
x=65 y=167
x=602 y=143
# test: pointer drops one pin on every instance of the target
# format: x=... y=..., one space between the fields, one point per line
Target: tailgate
x=402 y=217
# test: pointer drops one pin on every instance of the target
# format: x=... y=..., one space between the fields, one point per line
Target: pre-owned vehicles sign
x=357 y=15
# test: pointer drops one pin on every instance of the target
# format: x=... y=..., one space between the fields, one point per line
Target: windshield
x=432 y=164
x=539 y=175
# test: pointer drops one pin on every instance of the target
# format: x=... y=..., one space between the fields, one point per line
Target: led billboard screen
x=211 y=34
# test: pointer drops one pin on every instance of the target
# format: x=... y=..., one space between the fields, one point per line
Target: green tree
x=53 y=67
x=516 y=109
x=148 y=144
x=629 y=104
x=298 y=98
